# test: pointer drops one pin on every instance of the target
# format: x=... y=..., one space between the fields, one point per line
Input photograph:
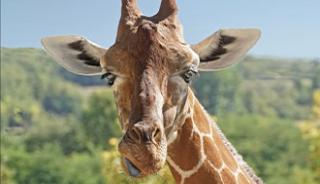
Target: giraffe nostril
x=145 y=133
x=135 y=134
x=156 y=134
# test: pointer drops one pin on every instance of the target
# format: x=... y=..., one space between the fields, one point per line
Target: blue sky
x=290 y=28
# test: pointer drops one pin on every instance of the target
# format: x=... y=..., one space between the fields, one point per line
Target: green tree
x=50 y=166
x=311 y=132
x=217 y=90
x=66 y=133
x=99 y=118
x=274 y=147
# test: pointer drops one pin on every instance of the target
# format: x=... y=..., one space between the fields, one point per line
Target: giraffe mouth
x=132 y=169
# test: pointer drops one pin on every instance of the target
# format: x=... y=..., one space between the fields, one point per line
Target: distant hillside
x=266 y=86
x=51 y=116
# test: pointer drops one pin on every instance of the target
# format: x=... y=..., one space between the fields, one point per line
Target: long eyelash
x=105 y=75
x=194 y=69
x=190 y=74
x=110 y=78
x=108 y=75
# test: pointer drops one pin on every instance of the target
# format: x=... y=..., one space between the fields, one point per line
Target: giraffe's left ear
x=225 y=48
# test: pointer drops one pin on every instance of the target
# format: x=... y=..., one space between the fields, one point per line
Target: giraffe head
x=149 y=68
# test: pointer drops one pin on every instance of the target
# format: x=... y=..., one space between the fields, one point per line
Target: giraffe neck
x=200 y=153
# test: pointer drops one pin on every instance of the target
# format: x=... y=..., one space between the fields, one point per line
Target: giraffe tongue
x=132 y=169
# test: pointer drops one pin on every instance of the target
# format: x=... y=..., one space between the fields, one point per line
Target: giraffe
x=150 y=68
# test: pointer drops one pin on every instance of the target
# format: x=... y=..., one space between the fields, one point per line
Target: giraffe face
x=149 y=68
x=150 y=75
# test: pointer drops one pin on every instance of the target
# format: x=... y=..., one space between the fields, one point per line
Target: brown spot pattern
x=201 y=120
x=205 y=175
x=242 y=179
x=212 y=153
x=227 y=157
x=228 y=177
x=193 y=147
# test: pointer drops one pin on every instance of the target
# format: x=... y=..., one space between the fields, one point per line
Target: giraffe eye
x=189 y=75
x=109 y=77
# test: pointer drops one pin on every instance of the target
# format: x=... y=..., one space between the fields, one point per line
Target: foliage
x=99 y=118
x=28 y=84
x=272 y=146
x=55 y=130
x=217 y=91
x=64 y=132
x=311 y=132
x=256 y=85
x=316 y=104
x=49 y=165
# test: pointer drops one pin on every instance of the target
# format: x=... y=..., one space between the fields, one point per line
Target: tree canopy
x=55 y=129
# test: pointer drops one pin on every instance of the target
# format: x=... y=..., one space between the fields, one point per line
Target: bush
x=50 y=166
x=273 y=147
x=99 y=118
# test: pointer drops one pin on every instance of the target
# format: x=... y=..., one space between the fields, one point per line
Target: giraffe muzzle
x=145 y=133
x=143 y=149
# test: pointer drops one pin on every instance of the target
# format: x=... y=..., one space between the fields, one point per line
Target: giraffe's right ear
x=75 y=53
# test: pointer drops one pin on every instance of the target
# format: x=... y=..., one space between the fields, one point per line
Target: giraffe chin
x=133 y=170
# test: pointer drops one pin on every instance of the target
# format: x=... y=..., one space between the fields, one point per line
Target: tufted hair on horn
x=168 y=9
x=129 y=14
x=129 y=9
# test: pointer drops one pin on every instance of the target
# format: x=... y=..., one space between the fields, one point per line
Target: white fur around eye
x=195 y=57
x=117 y=82
x=177 y=79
